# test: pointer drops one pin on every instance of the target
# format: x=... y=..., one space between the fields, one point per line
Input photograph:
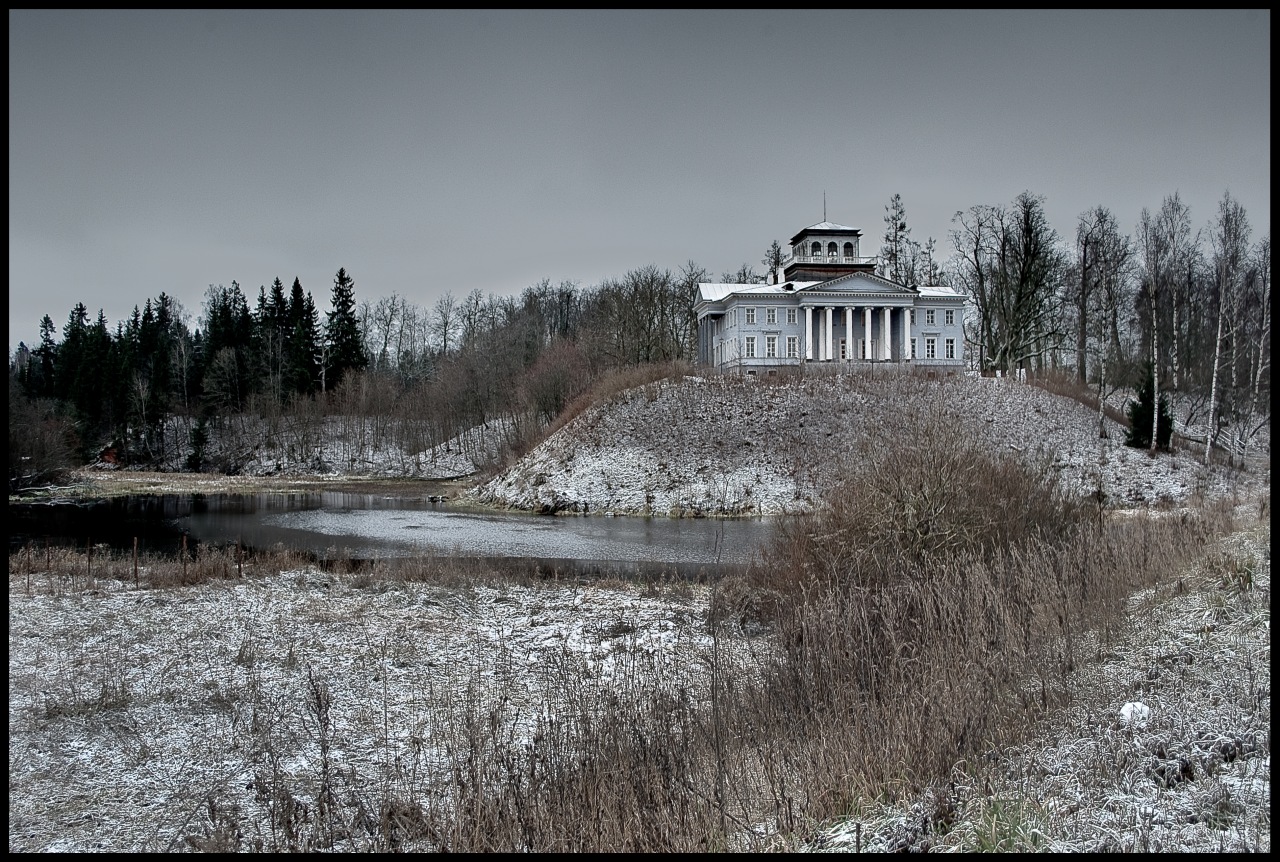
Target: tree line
x=1185 y=309
x=463 y=362
x=1188 y=308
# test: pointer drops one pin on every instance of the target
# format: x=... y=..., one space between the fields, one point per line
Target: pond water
x=370 y=526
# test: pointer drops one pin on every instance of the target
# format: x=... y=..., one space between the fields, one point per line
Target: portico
x=851 y=333
x=830 y=308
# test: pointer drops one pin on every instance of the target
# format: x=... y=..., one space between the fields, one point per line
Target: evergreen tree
x=344 y=348
x=71 y=354
x=893 y=254
x=199 y=443
x=46 y=357
x=304 y=342
x=226 y=373
x=1140 y=416
x=272 y=333
x=278 y=307
x=773 y=261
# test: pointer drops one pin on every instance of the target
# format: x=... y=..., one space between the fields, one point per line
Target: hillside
x=727 y=445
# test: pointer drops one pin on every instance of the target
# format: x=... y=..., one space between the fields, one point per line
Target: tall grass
x=914 y=625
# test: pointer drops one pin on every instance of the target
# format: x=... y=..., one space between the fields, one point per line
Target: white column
x=885 y=334
x=848 y=333
x=906 y=334
x=808 y=332
x=831 y=316
x=866 y=329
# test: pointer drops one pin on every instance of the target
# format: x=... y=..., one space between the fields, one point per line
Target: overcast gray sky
x=433 y=151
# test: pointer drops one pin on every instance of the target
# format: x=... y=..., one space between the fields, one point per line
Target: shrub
x=934 y=607
x=922 y=498
x=1140 y=416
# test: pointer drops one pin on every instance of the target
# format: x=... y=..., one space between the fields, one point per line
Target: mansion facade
x=830 y=307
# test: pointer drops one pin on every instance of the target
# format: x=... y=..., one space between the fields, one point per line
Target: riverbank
x=106 y=483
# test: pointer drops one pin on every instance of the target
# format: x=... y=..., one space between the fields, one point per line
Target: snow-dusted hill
x=741 y=446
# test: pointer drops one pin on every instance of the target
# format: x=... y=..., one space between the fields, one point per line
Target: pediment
x=857 y=283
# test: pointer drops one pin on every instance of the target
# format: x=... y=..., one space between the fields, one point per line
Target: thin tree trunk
x=1155 y=373
x=1211 y=434
x=1263 y=341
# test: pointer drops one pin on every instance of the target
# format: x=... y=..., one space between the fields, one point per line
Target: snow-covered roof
x=826 y=227
x=829 y=225
x=939 y=290
x=711 y=292
x=861 y=281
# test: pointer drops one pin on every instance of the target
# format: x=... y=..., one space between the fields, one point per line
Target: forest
x=1183 y=309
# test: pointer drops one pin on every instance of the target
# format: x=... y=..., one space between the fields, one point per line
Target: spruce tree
x=304 y=343
x=1140 y=415
x=344 y=347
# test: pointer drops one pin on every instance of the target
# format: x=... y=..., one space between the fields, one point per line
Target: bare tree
x=379 y=329
x=1230 y=242
x=471 y=313
x=745 y=275
x=444 y=322
x=1181 y=255
x=1152 y=245
x=1011 y=265
x=1261 y=279
x=1095 y=293
x=974 y=240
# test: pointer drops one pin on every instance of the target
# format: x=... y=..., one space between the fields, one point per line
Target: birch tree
x=1230 y=242
x=1152 y=249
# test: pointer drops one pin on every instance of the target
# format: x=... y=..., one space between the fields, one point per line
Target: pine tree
x=227 y=357
x=773 y=261
x=893 y=254
x=1140 y=416
x=199 y=443
x=344 y=348
x=304 y=342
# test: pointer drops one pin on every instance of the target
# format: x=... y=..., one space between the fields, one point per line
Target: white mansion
x=830 y=307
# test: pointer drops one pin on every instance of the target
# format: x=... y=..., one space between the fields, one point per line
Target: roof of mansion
x=857 y=282
x=827 y=227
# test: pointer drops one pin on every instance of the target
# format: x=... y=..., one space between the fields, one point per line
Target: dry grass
x=611 y=383
x=1066 y=385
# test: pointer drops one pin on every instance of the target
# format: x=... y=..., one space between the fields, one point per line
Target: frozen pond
x=370 y=526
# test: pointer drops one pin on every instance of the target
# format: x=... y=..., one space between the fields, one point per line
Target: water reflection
x=371 y=525
x=366 y=526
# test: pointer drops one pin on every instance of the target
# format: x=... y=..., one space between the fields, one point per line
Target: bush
x=1140 y=416
x=920 y=499
x=933 y=608
x=39 y=447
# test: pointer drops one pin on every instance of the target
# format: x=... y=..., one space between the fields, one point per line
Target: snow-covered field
x=733 y=446
x=129 y=711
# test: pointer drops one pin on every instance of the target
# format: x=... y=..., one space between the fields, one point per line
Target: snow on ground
x=736 y=446
x=369 y=447
x=130 y=709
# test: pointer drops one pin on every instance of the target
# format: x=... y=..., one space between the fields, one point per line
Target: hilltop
x=725 y=445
